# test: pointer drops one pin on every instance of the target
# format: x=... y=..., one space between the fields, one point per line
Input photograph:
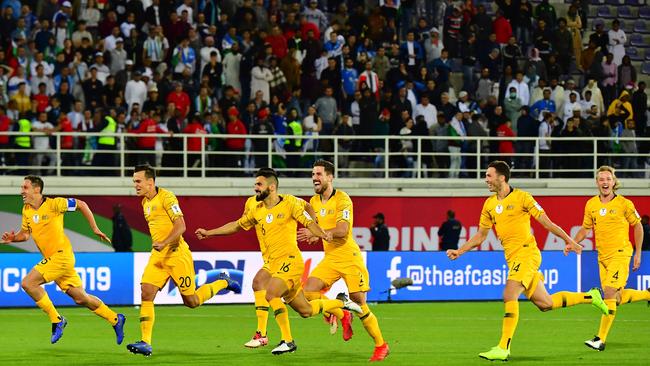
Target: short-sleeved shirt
x=160 y=212
x=46 y=224
x=511 y=219
x=611 y=223
x=337 y=208
x=277 y=225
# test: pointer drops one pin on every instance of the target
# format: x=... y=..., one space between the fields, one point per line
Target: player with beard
x=610 y=216
x=509 y=211
x=343 y=258
x=277 y=217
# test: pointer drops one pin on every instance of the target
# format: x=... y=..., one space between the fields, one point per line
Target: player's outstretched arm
x=88 y=214
x=638 y=243
x=13 y=237
x=571 y=245
x=174 y=237
x=472 y=243
x=227 y=229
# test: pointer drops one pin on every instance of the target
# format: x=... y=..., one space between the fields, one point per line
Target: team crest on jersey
x=510 y=207
x=323 y=212
x=612 y=211
x=280 y=216
x=269 y=218
x=36 y=218
x=603 y=211
x=499 y=209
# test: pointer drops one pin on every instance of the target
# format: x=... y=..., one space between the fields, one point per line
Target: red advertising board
x=413 y=221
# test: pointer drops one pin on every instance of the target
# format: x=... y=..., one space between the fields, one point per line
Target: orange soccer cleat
x=346 y=323
x=381 y=352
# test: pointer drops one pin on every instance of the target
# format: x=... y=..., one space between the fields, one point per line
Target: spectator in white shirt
x=523 y=92
x=118 y=57
x=128 y=25
x=427 y=110
x=135 y=91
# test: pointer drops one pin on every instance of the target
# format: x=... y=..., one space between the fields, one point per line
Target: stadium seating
x=634 y=54
x=645 y=68
x=625 y=12
x=641 y=26
x=644 y=12
x=634 y=2
x=637 y=41
x=604 y=12
x=613 y=2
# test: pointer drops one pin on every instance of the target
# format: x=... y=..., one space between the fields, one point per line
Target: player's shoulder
x=342 y=195
x=593 y=201
x=490 y=200
x=520 y=193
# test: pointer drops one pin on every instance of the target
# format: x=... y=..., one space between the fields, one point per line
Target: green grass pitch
x=418 y=334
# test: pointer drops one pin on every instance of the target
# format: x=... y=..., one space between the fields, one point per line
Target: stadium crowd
x=303 y=68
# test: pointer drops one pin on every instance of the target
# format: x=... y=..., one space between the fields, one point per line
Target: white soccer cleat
x=333 y=322
x=596 y=344
x=285 y=347
x=349 y=304
x=257 y=341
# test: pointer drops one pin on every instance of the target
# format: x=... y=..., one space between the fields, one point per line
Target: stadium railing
x=354 y=156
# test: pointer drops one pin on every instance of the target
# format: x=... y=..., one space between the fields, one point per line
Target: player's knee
x=81 y=300
x=305 y=313
x=191 y=303
x=544 y=305
x=26 y=285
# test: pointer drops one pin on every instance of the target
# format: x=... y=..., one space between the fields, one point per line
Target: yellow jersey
x=251 y=202
x=46 y=224
x=337 y=208
x=511 y=220
x=160 y=212
x=277 y=225
x=610 y=222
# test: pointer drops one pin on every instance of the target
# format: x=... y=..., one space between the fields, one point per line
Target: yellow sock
x=629 y=295
x=607 y=320
x=510 y=320
x=208 y=290
x=106 y=313
x=371 y=324
x=282 y=317
x=327 y=305
x=565 y=299
x=147 y=318
x=46 y=305
x=262 y=311
x=315 y=295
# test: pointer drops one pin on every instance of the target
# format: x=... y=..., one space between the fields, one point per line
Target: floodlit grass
x=418 y=334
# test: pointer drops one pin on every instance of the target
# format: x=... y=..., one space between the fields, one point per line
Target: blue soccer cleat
x=119 y=328
x=233 y=285
x=141 y=347
x=57 y=330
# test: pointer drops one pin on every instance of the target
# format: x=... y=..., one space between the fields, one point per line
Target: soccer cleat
x=597 y=301
x=496 y=353
x=596 y=344
x=258 y=340
x=380 y=353
x=284 y=347
x=346 y=323
x=57 y=330
x=349 y=304
x=119 y=328
x=233 y=285
x=141 y=347
x=333 y=323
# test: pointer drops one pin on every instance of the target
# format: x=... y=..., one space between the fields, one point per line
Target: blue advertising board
x=108 y=276
x=639 y=279
x=474 y=276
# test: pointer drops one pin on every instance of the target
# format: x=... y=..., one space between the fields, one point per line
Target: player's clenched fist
x=453 y=254
x=201 y=233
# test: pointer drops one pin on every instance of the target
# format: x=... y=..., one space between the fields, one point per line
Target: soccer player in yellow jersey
x=610 y=215
x=43 y=221
x=509 y=211
x=277 y=217
x=170 y=256
x=343 y=258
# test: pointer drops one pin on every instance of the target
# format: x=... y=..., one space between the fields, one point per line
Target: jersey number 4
x=615 y=275
x=515 y=268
